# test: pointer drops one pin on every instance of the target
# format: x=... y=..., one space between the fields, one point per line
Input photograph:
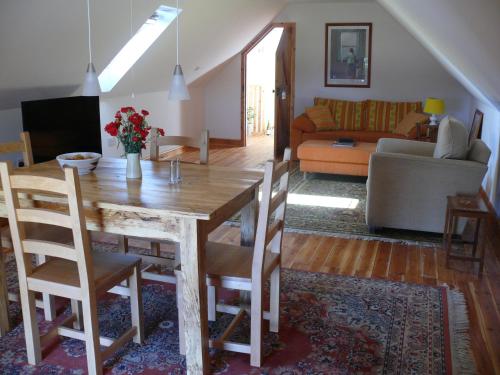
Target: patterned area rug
x=329 y=325
x=334 y=205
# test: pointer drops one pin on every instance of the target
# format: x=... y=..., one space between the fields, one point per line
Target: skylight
x=136 y=46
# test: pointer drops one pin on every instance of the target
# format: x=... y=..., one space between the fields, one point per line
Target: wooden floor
x=384 y=260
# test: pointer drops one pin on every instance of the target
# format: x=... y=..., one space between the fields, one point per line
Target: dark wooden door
x=284 y=89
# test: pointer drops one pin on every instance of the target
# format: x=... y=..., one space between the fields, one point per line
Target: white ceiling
x=44 y=53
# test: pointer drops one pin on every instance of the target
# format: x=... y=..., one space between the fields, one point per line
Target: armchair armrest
x=405 y=146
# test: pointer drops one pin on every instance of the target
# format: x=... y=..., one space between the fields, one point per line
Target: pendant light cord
x=88 y=22
x=177 y=33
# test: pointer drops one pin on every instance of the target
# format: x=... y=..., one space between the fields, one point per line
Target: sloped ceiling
x=464 y=35
x=44 y=53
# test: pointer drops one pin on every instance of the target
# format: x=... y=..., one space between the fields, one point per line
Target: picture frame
x=477 y=126
x=348 y=51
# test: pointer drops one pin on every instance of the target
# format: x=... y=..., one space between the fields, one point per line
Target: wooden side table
x=471 y=207
x=426 y=132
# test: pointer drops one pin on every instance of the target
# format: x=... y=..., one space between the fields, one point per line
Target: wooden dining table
x=151 y=207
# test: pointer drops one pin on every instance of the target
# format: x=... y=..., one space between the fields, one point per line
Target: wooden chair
x=70 y=271
x=47 y=303
x=247 y=269
x=155 y=260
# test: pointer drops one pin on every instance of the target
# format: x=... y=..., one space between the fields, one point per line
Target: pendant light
x=91 y=83
x=178 y=89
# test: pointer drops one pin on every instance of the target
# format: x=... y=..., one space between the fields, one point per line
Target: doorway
x=267 y=88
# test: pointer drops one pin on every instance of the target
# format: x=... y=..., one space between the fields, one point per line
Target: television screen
x=62 y=125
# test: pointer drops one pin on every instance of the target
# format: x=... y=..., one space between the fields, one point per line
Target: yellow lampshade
x=434 y=106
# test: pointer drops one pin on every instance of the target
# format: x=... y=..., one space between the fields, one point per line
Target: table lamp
x=434 y=107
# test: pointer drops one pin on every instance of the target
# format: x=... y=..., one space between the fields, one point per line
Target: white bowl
x=84 y=166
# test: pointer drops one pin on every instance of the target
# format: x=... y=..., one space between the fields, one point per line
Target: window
x=136 y=46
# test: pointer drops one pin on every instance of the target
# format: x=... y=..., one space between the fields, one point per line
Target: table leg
x=192 y=248
x=249 y=220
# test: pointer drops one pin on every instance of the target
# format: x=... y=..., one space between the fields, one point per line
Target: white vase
x=133 y=166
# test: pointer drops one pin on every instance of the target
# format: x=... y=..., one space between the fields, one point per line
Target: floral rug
x=335 y=205
x=329 y=325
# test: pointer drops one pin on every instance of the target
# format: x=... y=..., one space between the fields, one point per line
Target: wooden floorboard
x=383 y=260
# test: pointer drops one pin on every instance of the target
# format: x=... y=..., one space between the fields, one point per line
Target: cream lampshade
x=434 y=107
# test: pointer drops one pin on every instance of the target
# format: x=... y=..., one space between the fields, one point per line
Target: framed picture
x=476 y=127
x=348 y=49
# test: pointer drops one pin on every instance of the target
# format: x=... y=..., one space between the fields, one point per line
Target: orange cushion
x=304 y=124
x=384 y=116
x=321 y=116
x=407 y=126
x=347 y=115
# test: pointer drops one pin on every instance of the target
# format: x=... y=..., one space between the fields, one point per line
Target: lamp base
x=433 y=121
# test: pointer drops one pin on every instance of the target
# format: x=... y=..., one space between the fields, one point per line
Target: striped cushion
x=346 y=114
x=321 y=116
x=385 y=116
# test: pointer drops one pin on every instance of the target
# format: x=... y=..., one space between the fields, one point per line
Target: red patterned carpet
x=329 y=325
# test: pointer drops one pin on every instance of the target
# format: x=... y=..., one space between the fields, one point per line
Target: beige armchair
x=407 y=186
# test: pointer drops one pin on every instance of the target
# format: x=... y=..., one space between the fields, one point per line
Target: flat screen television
x=62 y=125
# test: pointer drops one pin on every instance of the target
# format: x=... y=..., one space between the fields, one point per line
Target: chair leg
x=256 y=329
x=123 y=248
x=274 y=303
x=212 y=302
x=92 y=346
x=31 y=332
x=180 y=309
x=4 y=298
x=136 y=304
x=76 y=308
x=49 y=304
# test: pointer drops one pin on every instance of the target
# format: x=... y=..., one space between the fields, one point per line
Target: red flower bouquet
x=131 y=129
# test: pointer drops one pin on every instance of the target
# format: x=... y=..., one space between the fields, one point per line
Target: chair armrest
x=405 y=146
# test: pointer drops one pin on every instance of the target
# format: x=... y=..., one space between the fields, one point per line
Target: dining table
x=153 y=208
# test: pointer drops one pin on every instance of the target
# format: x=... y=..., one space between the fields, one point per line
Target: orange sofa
x=364 y=121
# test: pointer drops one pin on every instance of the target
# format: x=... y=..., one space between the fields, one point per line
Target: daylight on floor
x=250 y=187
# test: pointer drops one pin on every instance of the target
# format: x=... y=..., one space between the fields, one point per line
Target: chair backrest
x=24 y=146
x=172 y=140
x=15 y=183
x=270 y=232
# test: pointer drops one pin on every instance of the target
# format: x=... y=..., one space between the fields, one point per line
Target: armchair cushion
x=451 y=140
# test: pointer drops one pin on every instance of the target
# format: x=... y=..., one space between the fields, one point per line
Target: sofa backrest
x=347 y=115
x=372 y=115
x=385 y=116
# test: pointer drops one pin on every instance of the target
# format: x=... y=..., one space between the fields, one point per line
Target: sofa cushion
x=385 y=116
x=478 y=151
x=304 y=124
x=408 y=125
x=322 y=118
x=451 y=140
x=347 y=115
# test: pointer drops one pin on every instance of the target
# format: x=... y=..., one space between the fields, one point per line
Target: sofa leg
x=305 y=176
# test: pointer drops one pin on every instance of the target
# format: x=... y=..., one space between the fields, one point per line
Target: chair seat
x=108 y=268
x=225 y=260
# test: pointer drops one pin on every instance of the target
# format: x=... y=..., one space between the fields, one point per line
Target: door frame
x=244 y=53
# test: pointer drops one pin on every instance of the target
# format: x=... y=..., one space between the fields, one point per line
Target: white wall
x=176 y=118
x=402 y=69
x=11 y=124
x=491 y=136
x=222 y=94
